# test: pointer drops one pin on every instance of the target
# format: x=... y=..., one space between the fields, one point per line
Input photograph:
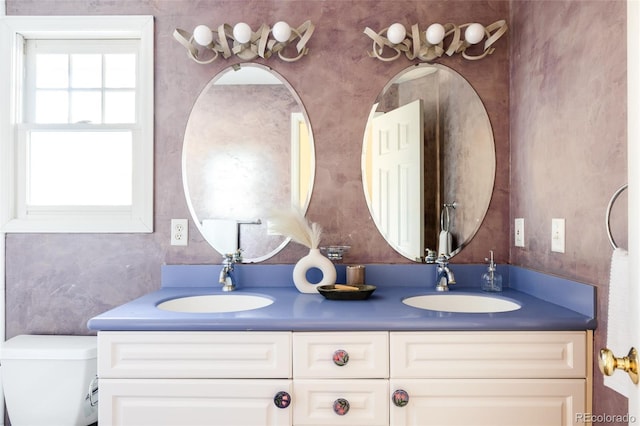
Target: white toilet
x=48 y=380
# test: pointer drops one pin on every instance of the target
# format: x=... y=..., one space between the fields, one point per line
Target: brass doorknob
x=608 y=363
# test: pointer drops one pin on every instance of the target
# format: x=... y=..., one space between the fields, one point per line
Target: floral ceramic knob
x=282 y=399
x=340 y=357
x=341 y=406
x=400 y=398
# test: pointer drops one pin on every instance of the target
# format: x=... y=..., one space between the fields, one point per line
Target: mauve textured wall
x=568 y=143
x=567 y=128
x=55 y=283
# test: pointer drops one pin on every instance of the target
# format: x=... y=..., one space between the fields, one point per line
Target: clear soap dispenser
x=491 y=280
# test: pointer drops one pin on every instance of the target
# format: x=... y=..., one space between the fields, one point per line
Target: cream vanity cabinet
x=344 y=378
x=194 y=378
x=341 y=378
x=491 y=378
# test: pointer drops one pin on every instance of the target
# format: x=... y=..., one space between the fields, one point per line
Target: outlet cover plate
x=179 y=232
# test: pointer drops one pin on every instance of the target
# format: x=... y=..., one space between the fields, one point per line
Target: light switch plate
x=519 y=232
x=557 y=235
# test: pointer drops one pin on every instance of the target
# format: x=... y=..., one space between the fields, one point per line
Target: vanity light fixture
x=438 y=39
x=204 y=45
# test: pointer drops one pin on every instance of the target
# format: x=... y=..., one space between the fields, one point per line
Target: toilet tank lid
x=49 y=347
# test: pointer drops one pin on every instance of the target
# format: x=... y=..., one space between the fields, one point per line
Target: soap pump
x=491 y=280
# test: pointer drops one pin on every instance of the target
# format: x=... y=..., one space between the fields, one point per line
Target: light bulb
x=435 y=34
x=202 y=35
x=474 y=33
x=396 y=33
x=281 y=31
x=242 y=32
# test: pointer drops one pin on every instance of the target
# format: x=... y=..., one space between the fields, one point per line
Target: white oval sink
x=215 y=303
x=466 y=303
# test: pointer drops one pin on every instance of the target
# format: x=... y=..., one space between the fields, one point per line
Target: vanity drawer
x=194 y=355
x=489 y=354
x=318 y=355
x=314 y=401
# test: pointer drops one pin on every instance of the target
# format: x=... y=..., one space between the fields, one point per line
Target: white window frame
x=13 y=215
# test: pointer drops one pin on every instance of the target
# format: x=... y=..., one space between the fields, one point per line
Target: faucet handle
x=237 y=256
x=231 y=258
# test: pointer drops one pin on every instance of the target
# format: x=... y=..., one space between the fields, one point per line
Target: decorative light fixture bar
x=205 y=45
x=431 y=44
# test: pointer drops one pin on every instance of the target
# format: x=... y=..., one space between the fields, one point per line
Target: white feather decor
x=292 y=223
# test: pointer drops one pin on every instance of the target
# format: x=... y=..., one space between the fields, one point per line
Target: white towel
x=619 y=337
x=444 y=245
x=222 y=234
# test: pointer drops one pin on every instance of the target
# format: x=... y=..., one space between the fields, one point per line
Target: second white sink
x=215 y=303
x=465 y=303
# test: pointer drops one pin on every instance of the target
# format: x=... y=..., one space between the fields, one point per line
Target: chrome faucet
x=444 y=275
x=226 y=278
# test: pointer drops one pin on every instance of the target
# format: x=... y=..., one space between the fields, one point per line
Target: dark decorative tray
x=335 y=292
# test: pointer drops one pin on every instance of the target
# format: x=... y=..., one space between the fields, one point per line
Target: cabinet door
x=179 y=402
x=341 y=402
x=490 y=402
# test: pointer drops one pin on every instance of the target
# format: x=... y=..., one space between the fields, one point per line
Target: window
x=77 y=136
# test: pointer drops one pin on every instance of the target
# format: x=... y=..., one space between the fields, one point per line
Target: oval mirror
x=248 y=149
x=428 y=162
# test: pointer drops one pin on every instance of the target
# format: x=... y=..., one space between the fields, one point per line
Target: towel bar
x=613 y=199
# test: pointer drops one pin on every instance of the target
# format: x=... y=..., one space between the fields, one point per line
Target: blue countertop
x=555 y=304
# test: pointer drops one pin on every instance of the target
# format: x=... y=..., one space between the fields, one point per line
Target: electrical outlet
x=179 y=232
x=557 y=235
x=519 y=232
